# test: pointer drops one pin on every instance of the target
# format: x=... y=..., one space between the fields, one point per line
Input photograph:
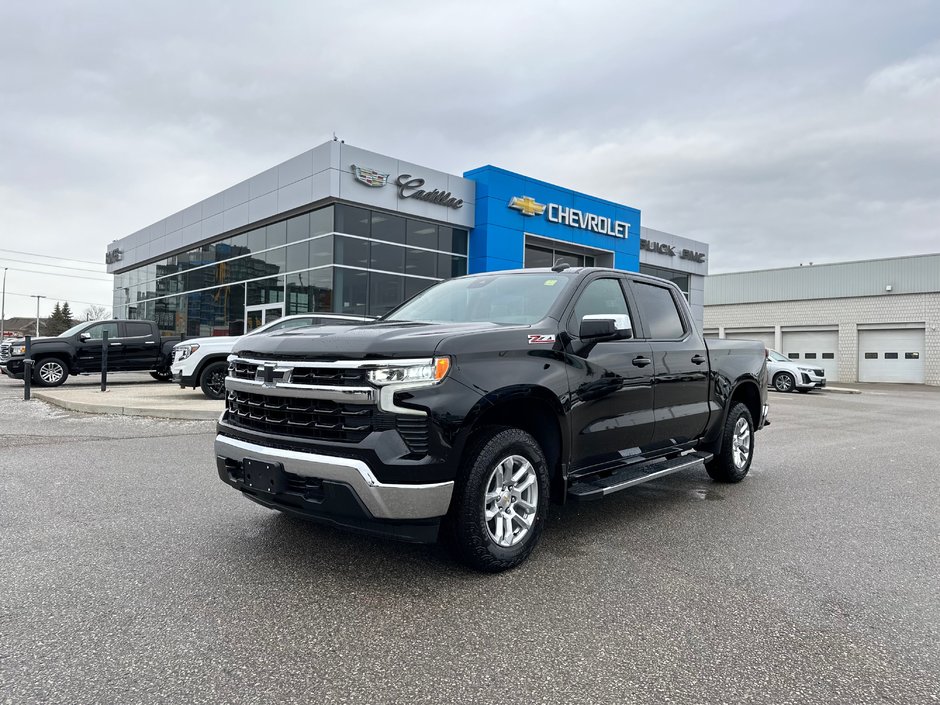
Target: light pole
x=3 y=305
x=37 y=297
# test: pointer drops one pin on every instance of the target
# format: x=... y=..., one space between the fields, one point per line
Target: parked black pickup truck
x=478 y=401
x=132 y=345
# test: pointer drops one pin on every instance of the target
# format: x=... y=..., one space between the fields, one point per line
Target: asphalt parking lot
x=130 y=574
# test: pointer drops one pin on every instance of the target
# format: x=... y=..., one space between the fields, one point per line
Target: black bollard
x=28 y=369
x=104 y=361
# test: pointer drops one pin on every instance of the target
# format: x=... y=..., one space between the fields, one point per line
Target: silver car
x=784 y=375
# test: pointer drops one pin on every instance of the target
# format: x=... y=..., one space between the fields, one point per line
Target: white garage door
x=817 y=348
x=895 y=355
x=767 y=338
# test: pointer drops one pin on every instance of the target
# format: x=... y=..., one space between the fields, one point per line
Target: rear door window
x=658 y=311
x=137 y=330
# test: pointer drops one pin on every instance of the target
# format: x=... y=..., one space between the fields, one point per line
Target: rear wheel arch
x=747 y=392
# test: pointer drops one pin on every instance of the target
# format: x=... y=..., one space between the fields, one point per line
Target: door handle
x=698 y=359
x=150 y=342
x=640 y=361
x=113 y=344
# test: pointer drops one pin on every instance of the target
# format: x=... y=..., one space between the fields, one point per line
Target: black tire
x=212 y=379
x=50 y=372
x=162 y=375
x=784 y=382
x=469 y=530
x=724 y=467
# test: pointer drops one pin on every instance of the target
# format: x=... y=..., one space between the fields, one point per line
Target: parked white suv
x=201 y=362
x=784 y=375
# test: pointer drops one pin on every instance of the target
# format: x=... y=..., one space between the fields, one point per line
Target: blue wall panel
x=497 y=241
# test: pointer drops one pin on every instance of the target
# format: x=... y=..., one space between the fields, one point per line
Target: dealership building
x=340 y=229
x=867 y=321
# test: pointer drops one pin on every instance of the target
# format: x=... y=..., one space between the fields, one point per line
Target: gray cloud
x=778 y=133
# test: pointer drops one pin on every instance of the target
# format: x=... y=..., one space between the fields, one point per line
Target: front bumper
x=13 y=368
x=183 y=374
x=808 y=380
x=338 y=490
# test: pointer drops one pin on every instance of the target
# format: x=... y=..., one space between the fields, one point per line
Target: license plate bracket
x=264 y=476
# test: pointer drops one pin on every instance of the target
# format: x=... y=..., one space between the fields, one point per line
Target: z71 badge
x=534 y=339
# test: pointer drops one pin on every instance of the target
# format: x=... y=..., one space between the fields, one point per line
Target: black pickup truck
x=473 y=405
x=132 y=345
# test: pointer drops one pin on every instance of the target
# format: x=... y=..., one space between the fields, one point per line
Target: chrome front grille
x=299 y=374
x=315 y=419
x=312 y=400
x=5 y=351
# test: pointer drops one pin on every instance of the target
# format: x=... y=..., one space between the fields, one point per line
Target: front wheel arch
x=530 y=409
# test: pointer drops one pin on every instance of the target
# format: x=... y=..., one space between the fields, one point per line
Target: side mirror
x=599 y=326
x=84 y=336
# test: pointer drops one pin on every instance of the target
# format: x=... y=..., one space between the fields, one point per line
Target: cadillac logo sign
x=408 y=187
x=370 y=177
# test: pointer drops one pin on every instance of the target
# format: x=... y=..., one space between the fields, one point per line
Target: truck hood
x=34 y=341
x=381 y=340
x=220 y=340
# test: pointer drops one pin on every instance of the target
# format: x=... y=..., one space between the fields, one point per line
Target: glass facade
x=680 y=279
x=338 y=259
x=538 y=256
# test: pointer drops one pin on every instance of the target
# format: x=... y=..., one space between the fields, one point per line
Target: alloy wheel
x=51 y=372
x=741 y=443
x=216 y=383
x=511 y=501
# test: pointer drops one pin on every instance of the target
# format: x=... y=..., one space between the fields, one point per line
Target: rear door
x=680 y=363
x=611 y=383
x=141 y=345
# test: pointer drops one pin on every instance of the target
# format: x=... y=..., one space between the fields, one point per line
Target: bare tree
x=97 y=313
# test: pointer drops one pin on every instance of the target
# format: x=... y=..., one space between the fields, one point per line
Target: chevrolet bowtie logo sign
x=527 y=205
x=572 y=217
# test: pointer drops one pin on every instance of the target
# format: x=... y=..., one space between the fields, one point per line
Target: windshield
x=74 y=329
x=500 y=298
x=776 y=357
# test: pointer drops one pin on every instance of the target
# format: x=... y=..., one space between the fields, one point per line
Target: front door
x=611 y=384
x=257 y=316
x=89 y=347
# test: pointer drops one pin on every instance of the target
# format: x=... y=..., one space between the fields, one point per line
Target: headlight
x=805 y=369
x=414 y=371
x=181 y=352
x=18 y=350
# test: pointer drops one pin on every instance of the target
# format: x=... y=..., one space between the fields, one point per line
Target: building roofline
x=825 y=264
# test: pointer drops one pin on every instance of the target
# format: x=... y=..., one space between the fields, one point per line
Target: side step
x=597 y=487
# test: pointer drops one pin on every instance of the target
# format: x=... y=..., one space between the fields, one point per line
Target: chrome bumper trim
x=384 y=501
x=344 y=395
x=352 y=364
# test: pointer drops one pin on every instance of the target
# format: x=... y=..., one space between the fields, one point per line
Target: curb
x=841 y=390
x=155 y=412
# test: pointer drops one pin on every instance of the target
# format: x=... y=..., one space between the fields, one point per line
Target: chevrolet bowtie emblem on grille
x=266 y=373
x=527 y=205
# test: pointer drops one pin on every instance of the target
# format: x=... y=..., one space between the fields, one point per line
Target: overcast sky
x=779 y=133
